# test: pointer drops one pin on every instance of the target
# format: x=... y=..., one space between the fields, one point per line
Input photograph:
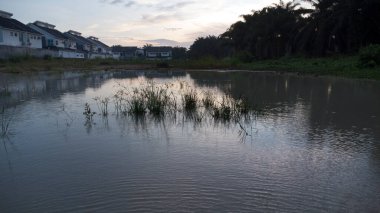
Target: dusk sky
x=136 y=22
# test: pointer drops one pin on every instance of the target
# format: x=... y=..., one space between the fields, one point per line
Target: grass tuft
x=190 y=100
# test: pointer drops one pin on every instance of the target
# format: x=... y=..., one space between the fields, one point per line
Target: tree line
x=304 y=27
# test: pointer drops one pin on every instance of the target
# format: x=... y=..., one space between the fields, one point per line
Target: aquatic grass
x=88 y=112
x=5 y=122
x=231 y=109
x=4 y=92
x=118 y=99
x=137 y=104
x=152 y=98
x=224 y=110
x=158 y=99
x=190 y=100
x=102 y=103
x=208 y=100
x=241 y=106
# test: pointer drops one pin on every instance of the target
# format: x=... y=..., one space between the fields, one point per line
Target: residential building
x=82 y=43
x=125 y=53
x=53 y=39
x=98 y=46
x=16 y=34
x=162 y=53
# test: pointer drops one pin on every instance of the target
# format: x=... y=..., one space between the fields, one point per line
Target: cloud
x=130 y=3
x=173 y=29
x=175 y=6
x=206 y=30
x=117 y=1
x=113 y=2
x=161 y=18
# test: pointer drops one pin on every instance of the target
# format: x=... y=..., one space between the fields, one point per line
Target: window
x=1 y=36
x=50 y=43
x=16 y=34
x=56 y=42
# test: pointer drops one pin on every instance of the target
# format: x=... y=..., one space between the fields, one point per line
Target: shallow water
x=315 y=147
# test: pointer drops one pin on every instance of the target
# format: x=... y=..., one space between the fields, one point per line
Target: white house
x=53 y=38
x=164 y=53
x=17 y=34
x=81 y=42
x=98 y=46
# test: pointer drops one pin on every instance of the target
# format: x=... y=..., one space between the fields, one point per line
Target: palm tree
x=267 y=33
x=340 y=26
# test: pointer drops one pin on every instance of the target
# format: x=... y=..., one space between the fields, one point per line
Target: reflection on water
x=314 y=147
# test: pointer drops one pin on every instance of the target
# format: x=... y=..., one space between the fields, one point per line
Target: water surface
x=315 y=147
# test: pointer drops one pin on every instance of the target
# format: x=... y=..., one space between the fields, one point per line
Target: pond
x=312 y=145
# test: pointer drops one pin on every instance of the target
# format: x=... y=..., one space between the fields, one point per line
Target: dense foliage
x=370 y=56
x=329 y=27
x=210 y=46
x=179 y=52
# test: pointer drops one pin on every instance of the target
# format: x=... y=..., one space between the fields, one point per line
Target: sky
x=136 y=22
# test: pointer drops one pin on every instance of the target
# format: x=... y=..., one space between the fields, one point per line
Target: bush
x=17 y=59
x=244 y=56
x=370 y=56
x=47 y=57
x=163 y=64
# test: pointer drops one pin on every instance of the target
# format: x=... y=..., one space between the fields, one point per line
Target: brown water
x=315 y=147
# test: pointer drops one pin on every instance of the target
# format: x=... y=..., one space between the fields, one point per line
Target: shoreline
x=345 y=67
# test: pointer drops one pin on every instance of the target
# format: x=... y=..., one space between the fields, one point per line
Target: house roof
x=158 y=49
x=97 y=42
x=78 y=38
x=13 y=24
x=124 y=49
x=52 y=32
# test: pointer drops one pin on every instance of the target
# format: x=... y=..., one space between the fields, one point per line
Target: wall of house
x=14 y=38
x=99 y=55
x=59 y=43
x=151 y=54
x=87 y=47
x=159 y=55
x=116 y=56
x=35 y=41
x=10 y=38
x=46 y=36
x=70 y=44
x=100 y=49
x=70 y=54
x=50 y=41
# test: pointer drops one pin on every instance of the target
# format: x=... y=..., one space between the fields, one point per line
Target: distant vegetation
x=320 y=37
x=330 y=27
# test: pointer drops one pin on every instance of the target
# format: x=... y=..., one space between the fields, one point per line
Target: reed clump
x=151 y=98
x=5 y=122
x=158 y=99
x=102 y=103
x=88 y=113
x=230 y=109
x=137 y=104
x=161 y=100
x=208 y=100
x=4 y=92
x=190 y=100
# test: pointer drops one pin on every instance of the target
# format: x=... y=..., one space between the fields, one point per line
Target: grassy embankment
x=346 y=66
